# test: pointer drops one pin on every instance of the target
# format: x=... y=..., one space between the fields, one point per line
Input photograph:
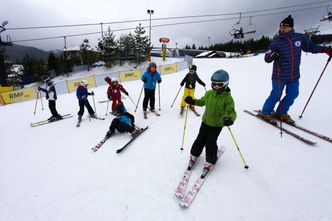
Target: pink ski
x=190 y=196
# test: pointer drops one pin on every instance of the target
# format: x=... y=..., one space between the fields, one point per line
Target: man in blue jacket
x=285 y=53
x=150 y=78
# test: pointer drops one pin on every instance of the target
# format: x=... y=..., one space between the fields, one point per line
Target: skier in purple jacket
x=285 y=53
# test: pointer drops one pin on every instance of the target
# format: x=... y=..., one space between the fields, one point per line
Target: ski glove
x=39 y=88
x=228 y=121
x=327 y=51
x=189 y=100
x=159 y=81
x=274 y=56
x=144 y=80
x=92 y=93
x=126 y=93
x=203 y=84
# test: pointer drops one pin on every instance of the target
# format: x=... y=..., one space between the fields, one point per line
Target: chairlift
x=327 y=16
x=238 y=31
x=312 y=31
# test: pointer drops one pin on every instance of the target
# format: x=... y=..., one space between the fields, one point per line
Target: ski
x=97 y=146
x=131 y=140
x=104 y=101
x=284 y=129
x=190 y=196
x=329 y=139
x=195 y=112
x=39 y=123
x=98 y=118
x=181 y=189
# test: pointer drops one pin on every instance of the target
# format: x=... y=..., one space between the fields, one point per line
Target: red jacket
x=114 y=91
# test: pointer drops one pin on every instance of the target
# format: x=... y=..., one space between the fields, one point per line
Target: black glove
x=92 y=93
x=159 y=81
x=228 y=121
x=203 y=84
x=182 y=83
x=274 y=56
x=144 y=80
x=39 y=88
x=126 y=93
x=327 y=51
x=189 y=100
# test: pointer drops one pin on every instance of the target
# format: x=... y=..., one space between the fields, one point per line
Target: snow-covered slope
x=49 y=172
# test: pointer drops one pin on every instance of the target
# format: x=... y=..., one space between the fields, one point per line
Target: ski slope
x=49 y=172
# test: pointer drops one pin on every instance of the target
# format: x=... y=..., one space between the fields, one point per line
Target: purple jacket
x=289 y=47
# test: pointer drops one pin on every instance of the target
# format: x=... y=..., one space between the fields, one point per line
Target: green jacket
x=218 y=106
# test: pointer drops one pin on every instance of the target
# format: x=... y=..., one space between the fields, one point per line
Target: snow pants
x=292 y=91
x=114 y=102
x=51 y=106
x=120 y=126
x=149 y=95
x=187 y=92
x=207 y=137
x=87 y=105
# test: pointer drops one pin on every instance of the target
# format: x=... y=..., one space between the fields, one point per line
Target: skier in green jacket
x=219 y=112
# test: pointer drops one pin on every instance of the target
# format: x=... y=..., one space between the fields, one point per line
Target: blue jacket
x=289 y=47
x=150 y=79
x=127 y=118
x=82 y=93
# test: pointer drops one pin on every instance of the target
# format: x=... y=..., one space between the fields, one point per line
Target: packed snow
x=50 y=173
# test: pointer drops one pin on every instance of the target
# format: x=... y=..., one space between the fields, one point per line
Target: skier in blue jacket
x=82 y=96
x=150 y=78
x=285 y=53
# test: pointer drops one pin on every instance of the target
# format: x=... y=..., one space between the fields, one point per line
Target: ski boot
x=145 y=115
x=267 y=117
x=284 y=118
x=192 y=161
x=135 y=132
x=52 y=119
x=206 y=169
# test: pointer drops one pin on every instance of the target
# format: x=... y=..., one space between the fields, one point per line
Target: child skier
x=219 y=112
x=150 y=77
x=51 y=97
x=109 y=82
x=189 y=90
x=82 y=96
x=114 y=93
x=124 y=122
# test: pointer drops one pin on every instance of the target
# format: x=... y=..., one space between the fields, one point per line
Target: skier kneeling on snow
x=219 y=112
x=124 y=122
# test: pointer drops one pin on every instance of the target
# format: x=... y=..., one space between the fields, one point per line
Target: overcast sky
x=23 y=13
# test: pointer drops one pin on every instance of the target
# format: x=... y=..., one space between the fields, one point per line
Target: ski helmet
x=152 y=64
x=114 y=80
x=119 y=108
x=84 y=83
x=219 y=80
x=193 y=67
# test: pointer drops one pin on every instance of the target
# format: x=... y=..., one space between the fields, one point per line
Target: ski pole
x=238 y=148
x=94 y=104
x=131 y=100
x=205 y=88
x=41 y=100
x=176 y=96
x=139 y=97
x=184 y=129
x=108 y=102
x=159 y=95
x=328 y=61
x=36 y=103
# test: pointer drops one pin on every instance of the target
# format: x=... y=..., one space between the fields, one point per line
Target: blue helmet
x=219 y=78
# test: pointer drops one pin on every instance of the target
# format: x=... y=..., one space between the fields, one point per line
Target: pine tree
x=126 y=45
x=52 y=62
x=87 y=54
x=108 y=47
x=142 y=46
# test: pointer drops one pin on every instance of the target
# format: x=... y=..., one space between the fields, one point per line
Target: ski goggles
x=218 y=84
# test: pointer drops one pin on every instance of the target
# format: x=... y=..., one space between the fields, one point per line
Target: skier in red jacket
x=114 y=93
